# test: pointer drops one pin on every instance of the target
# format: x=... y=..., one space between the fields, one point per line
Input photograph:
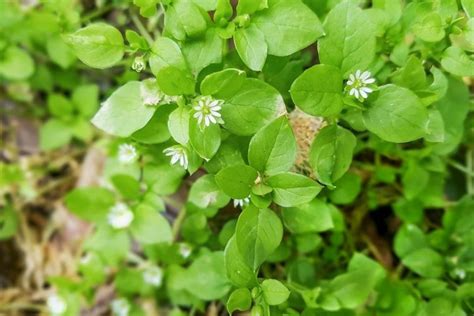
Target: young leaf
x=239 y=300
x=258 y=234
x=223 y=84
x=457 y=62
x=166 y=53
x=331 y=153
x=124 y=112
x=274 y=292
x=396 y=115
x=174 y=81
x=273 y=148
x=349 y=53
x=318 y=91
x=288 y=26
x=291 y=189
x=205 y=140
x=90 y=203
x=16 y=64
x=97 y=45
x=307 y=218
x=59 y=106
x=425 y=262
x=206 y=194
x=178 y=125
x=149 y=226
x=251 y=46
x=204 y=51
x=237 y=180
x=54 y=134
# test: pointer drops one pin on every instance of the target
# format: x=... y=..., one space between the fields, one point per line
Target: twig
x=177 y=223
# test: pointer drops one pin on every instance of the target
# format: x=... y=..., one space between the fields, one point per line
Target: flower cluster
x=178 y=154
x=120 y=216
x=127 y=154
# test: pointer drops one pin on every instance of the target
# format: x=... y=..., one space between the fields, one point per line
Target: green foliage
x=272 y=157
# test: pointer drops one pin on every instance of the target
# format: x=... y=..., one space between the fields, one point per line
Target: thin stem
x=470 y=168
x=469 y=172
x=141 y=28
x=178 y=222
x=97 y=13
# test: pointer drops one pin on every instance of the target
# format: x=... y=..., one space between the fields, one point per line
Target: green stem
x=141 y=28
x=470 y=168
x=97 y=13
x=468 y=171
x=178 y=222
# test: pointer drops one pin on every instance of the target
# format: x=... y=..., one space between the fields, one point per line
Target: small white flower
x=357 y=84
x=150 y=93
x=242 y=202
x=120 y=307
x=56 y=305
x=177 y=154
x=127 y=153
x=184 y=250
x=120 y=216
x=153 y=275
x=460 y=273
x=207 y=110
x=86 y=259
x=139 y=64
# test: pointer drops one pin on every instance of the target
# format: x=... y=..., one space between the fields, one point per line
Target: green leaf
x=174 y=81
x=307 y=218
x=166 y=53
x=468 y=7
x=349 y=53
x=274 y=292
x=331 y=153
x=206 y=277
x=258 y=234
x=97 y=45
x=128 y=186
x=291 y=189
x=239 y=300
x=288 y=26
x=318 y=91
x=204 y=51
x=60 y=52
x=425 y=262
x=184 y=19
x=124 y=112
x=457 y=62
x=149 y=226
x=16 y=64
x=156 y=130
x=408 y=239
x=54 y=134
x=8 y=223
x=178 y=125
x=223 y=84
x=205 y=140
x=237 y=180
x=86 y=99
x=273 y=148
x=90 y=203
x=251 y=6
x=238 y=272
x=59 y=106
x=110 y=244
x=396 y=115
x=414 y=179
x=412 y=75
x=347 y=189
x=429 y=28
x=453 y=108
x=251 y=46
x=206 y=194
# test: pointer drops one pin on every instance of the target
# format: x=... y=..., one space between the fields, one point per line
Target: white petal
x=363 y=94
x=365 y=75
x=216 y=108
x=215 y=114
x=358 y=74
x=200 y=118
x=368 y=81
x=174 y=159
x=185 y=165
x=197 y=114
x=212 y=119
x=367 y=90
x=356 y=93
x=214 y=103
x=206 y=121
x=352 y=91
x=350 y=82
x=351 y=78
